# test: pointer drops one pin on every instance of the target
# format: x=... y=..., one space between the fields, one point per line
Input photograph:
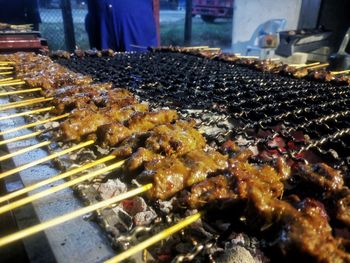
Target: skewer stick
x=59 y=220
x=212 y=49
x=26 y=113
x=197 y=47
x=254 y=57
x=319 y=66
x=19 y=138
x=6 y=67
x=19 y=91
x=155 y=239
x=34 y=124
x=7 y=63
x=340 y=72
x=12 y=84
x=20 y=102
x=6 y=73
x=55 y=178
x=45 y=159
x=31 y=198
x=10 y=81
x=6 y=79
x=25 y=103
x=307 y=65
x=24 y=150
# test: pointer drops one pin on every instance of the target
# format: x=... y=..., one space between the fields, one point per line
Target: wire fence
x=52 y=26
x=172 y=20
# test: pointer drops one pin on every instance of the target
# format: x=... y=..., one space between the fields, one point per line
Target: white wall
x=248 y=15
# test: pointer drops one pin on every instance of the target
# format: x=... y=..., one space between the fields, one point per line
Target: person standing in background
x=122 y=25
x=19 y=12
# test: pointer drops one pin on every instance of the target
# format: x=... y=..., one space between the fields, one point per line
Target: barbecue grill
x=212 y=91
x=304 y=120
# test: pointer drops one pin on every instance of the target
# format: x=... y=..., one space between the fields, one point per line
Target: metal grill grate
x=306 y=115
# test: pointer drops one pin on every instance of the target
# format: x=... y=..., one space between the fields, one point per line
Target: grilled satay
x=86 y=121
x=164 y=140
x=268 y=66
x=41 y=71
x=171 y=174
x=83 y=122
x=163 y=137
x=321 y=75
x=302 y=225
x=95 y=99
x=71 y=90
x=60 y=54
x=329 y=184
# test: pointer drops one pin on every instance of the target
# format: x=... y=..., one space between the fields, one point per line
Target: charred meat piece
x=343 y=209
x=67 y=91
x=85 y=121
x=164 y=140
x=172 y=174
x=130 y=145
x=135 y=164
x=109 y=134
x=301 y=226
x=211 y=190
x=178 y=138
x=117 y=98
x=267 y=66
x=323 y=176
x=142 y=121
x=60 y=54
x=243 y=177
x=112 y=134
x=321 y=75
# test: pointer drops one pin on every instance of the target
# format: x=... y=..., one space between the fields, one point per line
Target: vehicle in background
x=209 y=10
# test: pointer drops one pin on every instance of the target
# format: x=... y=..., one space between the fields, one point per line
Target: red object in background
x=156 y=18
x=209 y=10
x=22 y=41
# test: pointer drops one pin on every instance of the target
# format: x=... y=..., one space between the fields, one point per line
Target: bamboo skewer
x=31 y=198
x=34 y=124
x=26 y=103
x=5 y=67
x=6 y=73
x=26 y=113
x=319 y=66
x=253 y=57
x=61 y=219
x=155 y=239
x=340 y=72
x=307 y=65
x=19 y=138
x=55 y=178
x=12 y=84
x=19 y=91
x=24 y=150
x=10 y=81
x=20 y=102
x=197 y=47
x=6 y=79
x=45 y=159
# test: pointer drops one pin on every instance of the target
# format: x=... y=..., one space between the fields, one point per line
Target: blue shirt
x=121 y=24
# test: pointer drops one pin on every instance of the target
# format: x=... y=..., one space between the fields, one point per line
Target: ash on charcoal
x=236 y=254
x=112 y=187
